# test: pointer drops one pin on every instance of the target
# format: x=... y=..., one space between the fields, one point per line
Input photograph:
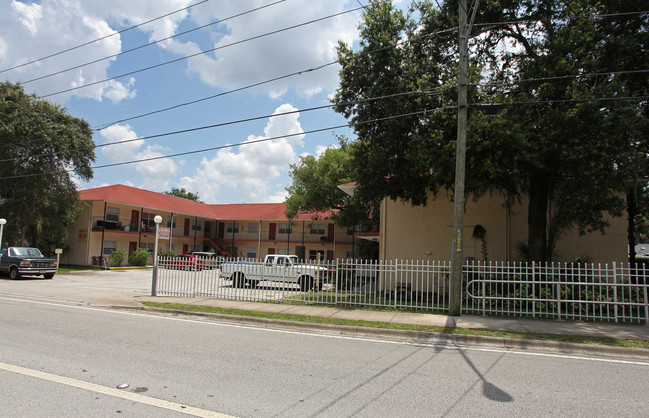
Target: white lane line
x=447 y=346
x=117 y=393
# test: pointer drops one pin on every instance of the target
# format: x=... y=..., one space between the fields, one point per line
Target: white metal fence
x=612 y=293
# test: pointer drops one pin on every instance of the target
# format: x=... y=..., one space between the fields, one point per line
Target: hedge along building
x=122 y=217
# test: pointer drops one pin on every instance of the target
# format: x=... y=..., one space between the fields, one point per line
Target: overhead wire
x=417 y=38
x=201 y=53
x=237 y=144
x=235 y=122
x=296 y=73
x=102 y=38
x=152 y=43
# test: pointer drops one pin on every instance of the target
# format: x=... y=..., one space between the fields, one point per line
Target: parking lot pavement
x=96 y=287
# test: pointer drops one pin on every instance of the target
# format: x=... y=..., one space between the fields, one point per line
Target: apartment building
x=122 y=217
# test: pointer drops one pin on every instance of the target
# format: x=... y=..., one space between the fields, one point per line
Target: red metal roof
x=120 y=193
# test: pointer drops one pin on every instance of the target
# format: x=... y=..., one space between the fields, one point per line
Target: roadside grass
x=72 y=268
x=617 y=342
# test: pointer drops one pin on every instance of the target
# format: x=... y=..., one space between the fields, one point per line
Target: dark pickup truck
x=26 y=261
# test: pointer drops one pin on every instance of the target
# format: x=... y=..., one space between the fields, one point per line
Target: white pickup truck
x=275 y=268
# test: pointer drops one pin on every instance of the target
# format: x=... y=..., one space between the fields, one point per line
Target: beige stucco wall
x=425 y=233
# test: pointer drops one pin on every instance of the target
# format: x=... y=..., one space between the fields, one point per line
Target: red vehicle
x=187 y=262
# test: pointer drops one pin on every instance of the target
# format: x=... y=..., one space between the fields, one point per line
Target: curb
x=417 y=337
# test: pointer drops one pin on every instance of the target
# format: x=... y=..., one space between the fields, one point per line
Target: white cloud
x=250 y=169
x=156 y=173
x=52 y=26
x=56 y=25
x=275 y=55
x=320 y=149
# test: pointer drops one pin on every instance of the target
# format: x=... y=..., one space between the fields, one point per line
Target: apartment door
x=330 y=232
x=135 y=220
x=132 y=246
x=272 y=231
x=221 y=230
x=186 y=228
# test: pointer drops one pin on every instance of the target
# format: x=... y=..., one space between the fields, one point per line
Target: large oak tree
x=42 y=146
x=557 y=113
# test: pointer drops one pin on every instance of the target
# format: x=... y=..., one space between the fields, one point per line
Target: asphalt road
x=66 y=360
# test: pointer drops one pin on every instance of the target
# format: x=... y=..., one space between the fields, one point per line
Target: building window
x=112 y=214
x=285 y=229
x=147 y=219
x=196 y=225
x=232 y=228
x=252 y=228
x=232 y=250
x=313 y=254
x=147 y=246
x=317 y=229
x=252 y=252
x=109 y=246
x=349 y=255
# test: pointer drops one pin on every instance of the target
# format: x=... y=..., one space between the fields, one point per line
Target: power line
x=152 y=43
x=235 y=122
x=237 y=144
x=201 y=52
x=417 y=38
x=350 y=124
x=103 y=37
x=296 y=73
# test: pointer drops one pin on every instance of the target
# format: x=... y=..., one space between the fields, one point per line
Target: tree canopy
x=42 y=146
x=181 y=192
x=315 y=187
x=557 y=114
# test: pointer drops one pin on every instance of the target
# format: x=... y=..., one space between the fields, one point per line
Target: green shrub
x=139 y=257
x=117 y=257
x=166 y=253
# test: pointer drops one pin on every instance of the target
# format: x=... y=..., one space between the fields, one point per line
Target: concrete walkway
x=130 y=288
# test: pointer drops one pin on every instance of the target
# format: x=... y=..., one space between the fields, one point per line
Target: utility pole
x=457 y=257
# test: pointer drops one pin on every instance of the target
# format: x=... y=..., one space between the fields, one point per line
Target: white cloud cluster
x=252 y=168
x=156 y=174
x=56 y=25
x=276 y=55
x=30 y=31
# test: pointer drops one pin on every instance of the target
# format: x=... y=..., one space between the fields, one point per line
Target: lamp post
x=3 y=221
x=154 y=279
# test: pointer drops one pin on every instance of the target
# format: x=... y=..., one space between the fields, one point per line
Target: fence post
x=558 y=294
x=533 y=292
x=615 y=291
x=646 y=299
x=484 y=288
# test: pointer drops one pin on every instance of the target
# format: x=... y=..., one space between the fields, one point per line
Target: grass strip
x=617 y=342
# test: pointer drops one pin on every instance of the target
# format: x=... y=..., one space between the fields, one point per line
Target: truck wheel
x=253 y=283
x=306 y=283
x=48 y=276
x=238 y=280
x=14 y=274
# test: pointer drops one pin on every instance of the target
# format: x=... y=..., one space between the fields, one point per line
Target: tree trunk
x=537 y=220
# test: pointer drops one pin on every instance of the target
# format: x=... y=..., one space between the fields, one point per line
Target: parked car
x=26 y=261
x=211 y=260
x=185 y=262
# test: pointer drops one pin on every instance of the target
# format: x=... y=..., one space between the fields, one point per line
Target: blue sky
x=242 y=174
